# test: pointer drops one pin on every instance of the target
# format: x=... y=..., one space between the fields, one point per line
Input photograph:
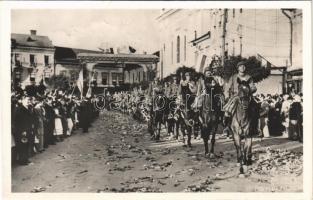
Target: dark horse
x=157 y=115
x=243 y=124
x=210 y=108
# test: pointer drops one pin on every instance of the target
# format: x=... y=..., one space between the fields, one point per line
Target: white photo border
x=5 y=125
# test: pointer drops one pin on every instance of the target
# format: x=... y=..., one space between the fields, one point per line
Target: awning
x=294 y=68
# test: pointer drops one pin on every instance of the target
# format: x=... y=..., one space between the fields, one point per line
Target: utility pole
x=224 y=35
x=291 y=32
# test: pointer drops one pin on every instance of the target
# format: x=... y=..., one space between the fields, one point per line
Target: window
x=114 y=79
x=234 y=13
x=195 y=34
x=32 y=59
x=120 y=79
x=178 y=49
x=240 y=10
x=185 y=47
x=46 y=60
x=105 y=78
x=17 y=59
x=133 y=77
x=32 y=76
x=164 y=47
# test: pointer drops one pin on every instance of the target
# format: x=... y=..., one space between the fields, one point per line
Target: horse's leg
x=248 y=150
x=238 y=149
x=183 y=130
x=177 y=129
x=213 y=133
x=189 y=131
x=205 y=138
x=168 y=127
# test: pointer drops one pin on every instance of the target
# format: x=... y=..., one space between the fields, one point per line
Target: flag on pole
x=88 y=94
x=201 y=62
x=131 y=49
x=80 y=82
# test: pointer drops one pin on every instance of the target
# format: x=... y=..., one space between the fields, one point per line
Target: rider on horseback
x=187 y=90
x=233 y=98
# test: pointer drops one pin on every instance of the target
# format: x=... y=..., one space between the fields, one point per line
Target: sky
x=91 y=29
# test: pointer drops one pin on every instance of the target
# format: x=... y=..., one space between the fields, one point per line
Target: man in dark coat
x=24 y=124
x=49 y=123
x=85 y=115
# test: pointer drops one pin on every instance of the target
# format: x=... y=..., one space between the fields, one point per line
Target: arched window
x=178 y=49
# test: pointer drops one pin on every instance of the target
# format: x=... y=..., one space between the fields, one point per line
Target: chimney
x=33 y=32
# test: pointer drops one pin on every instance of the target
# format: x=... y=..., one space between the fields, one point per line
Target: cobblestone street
x=117 y=155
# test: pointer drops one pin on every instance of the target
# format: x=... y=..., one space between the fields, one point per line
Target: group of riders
x=189 y=105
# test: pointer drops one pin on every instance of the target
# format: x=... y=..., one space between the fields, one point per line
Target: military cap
x=241 y=63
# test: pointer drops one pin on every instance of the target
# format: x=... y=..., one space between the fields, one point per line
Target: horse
x=243 y=124
x=210 y=106
x=157 y=115
x=171 y=108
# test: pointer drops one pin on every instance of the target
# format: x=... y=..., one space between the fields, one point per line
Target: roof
x=119 y=57
x=294 y=69
x=26 y=40
x=70 y=54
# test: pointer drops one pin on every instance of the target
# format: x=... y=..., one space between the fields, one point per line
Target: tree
x=253 y=66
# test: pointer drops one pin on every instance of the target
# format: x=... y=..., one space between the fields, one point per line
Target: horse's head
x=244 y=94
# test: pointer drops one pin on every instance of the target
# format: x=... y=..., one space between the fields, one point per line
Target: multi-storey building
x=32 y=58
x=105 y=69
x=193 y=37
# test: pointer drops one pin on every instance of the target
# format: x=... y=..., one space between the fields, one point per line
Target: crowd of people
x=41 y=118
x=280 y=114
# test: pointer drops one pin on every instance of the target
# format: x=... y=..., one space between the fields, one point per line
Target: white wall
x=263 y=31
x=270 y=85
x=24 y=57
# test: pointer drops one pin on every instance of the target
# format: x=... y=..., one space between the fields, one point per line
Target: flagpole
x=73 y=90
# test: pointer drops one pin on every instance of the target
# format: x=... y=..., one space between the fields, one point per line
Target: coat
x=24 y=122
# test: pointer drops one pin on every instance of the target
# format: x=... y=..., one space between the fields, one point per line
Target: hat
x=241 y=63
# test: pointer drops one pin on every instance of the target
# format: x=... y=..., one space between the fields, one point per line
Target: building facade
x=110 y=70
x=295 y=70
x=192 y=37
x=67 y=62
x=32 y=58
x=104 y=69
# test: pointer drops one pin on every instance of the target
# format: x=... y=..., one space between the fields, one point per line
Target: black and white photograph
x=162 y=100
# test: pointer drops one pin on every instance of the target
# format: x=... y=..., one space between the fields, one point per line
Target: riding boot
x=226 y=120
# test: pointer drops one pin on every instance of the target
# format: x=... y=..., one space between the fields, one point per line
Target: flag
x=88 y=94
x=201 y=62
x=80 y=82
x=131 y=49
